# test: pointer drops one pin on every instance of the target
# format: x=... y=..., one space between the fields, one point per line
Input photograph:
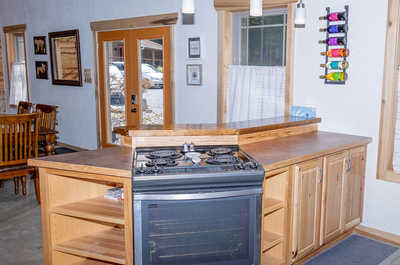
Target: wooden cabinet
x=354 y=188
x=332 y=196
x=306 y=208
x=327 y=199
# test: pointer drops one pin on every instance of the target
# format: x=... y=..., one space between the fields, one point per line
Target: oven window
x=209 y=232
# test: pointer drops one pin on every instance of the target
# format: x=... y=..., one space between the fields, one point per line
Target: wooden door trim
x=135 y=22
x=101 y=37
x=165 y=34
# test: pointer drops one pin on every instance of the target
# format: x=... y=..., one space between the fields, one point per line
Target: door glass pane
x=151 y=81
x=115 y=87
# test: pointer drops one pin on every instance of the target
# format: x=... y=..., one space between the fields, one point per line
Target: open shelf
x=270 y=240
x=99 y=209
x=271 y=260
x=271 y=205
x=108 y=245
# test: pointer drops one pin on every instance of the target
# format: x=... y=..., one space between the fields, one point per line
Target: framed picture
x=194 y=74
x=42 y=70
x=40 y=45
x=194 y=48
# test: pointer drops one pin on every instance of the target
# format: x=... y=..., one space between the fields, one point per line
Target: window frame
x=9 y=39
x=389 y=95
x=225 y=53
x=237 y=31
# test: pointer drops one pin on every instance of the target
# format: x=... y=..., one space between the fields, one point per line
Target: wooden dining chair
x=18 y=143
x=25 y=107
x=47 y=116
x=47 y=127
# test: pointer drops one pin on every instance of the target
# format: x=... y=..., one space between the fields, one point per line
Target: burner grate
x=220 y=151
x=222 y=159
x=164 y=154
x=162 y=163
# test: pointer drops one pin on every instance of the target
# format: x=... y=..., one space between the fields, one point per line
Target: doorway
x=134 y=80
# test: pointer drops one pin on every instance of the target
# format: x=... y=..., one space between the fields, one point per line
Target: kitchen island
x=307 y=172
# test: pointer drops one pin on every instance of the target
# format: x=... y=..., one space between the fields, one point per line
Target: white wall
x=77 y=112
x=355 y=107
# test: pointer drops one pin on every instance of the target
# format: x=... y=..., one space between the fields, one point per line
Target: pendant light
x=256 y=8
x=300 y=19
x=187 y=6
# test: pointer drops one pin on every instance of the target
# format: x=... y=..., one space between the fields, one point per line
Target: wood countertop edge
x=123 y=173
x=209 y=130
x=299 y=159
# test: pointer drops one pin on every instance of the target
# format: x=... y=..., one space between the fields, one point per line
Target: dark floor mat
x=355 y=250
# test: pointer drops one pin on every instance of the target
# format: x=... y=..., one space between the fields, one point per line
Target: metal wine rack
x=344 y=35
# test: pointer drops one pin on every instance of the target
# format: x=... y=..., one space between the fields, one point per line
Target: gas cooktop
x=193 y=165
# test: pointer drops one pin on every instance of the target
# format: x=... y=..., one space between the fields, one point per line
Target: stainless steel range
x=196 y=206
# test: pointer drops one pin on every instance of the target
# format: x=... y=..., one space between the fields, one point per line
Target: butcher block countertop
x=231 y=128
x=116 y=161
x=271 y=154
x=287 y=151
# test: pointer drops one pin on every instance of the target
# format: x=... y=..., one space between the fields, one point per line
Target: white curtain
x=255 y=92
x=396 y=152
x=18 y=88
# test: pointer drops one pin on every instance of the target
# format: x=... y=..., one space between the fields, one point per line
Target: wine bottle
x=340 y=16
x=335 y=29
x=336 y=65
x=334 y=41
x=337 y=53
x=335 y=76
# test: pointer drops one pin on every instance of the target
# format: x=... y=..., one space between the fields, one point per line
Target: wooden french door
x=134 y=79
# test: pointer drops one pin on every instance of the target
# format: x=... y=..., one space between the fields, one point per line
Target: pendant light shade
x=256 y=8
x=188 y=6
x=301 y=14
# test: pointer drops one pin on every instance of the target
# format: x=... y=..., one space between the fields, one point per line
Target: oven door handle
x=196 y=196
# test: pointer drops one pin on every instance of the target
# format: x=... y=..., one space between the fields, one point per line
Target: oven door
x=206 y=228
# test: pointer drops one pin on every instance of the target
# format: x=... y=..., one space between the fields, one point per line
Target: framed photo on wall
x=42 y=70
x=39 y=43
x=194 y=75
x=194 y=48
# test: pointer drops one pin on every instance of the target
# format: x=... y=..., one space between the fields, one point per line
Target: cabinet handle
x=350 y=164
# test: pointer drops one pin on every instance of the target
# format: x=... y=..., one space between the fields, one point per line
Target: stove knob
x=252 y=165
x=192 y=148
x=156 y=170
x=140 y=170
x=185 y=148
x=241 y=166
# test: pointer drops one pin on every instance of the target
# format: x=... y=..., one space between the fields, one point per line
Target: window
x=389 y=142
x=16 y=64
x=255 y=61
x=256 y=84
x=262 y=40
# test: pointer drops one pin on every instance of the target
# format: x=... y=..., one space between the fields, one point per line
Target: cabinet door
x=332 y=196
x=307 y=208
x=354 y=188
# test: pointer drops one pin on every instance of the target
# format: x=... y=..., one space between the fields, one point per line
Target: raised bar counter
x=232 y=128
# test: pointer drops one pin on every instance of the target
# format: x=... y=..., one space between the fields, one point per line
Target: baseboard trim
x=72 y=147
x=378 y=235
